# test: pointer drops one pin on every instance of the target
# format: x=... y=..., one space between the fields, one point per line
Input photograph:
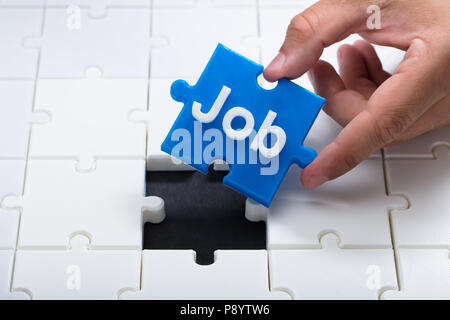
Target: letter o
x=242 y=133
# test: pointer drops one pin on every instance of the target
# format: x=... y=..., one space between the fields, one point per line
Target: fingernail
x=277 y=62
x=316 y=181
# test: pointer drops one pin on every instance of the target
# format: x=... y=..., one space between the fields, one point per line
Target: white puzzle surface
x=16 y=25
x=173 y=274
x=6 y=271
x=89 y=118
x=77 y=272
x=354 y=206
x=111 y=195
x=332 y=272
x=424 y=274
x=426 y=183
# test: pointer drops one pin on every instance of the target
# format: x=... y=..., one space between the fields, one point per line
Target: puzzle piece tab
x=106 y=204
x=354 y=206
x=77 y=272
x=11 y=183
x=235 y=274
x=424 y=274
x=227 y=91
x=89 y=119
x=18 y=61
x=201 y=214
x=426 y=183
x=332 y=272
x=6 y=271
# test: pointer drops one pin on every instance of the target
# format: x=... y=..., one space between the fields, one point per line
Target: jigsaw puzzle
x=426 y=183
x=228 y=90
x=12 y=174
x=201 y=214
x=89 y=119
x=354 y=206
x=118 y=43
x=57 y=194
x=235 y=274
x=16 y=106
x=420 y=147
x=77 y=272
x=85 y=88
x=161 y=114
x=423 y=274
x=6 y=273
x=332 y=272
x=185 y=56
x=16 y=25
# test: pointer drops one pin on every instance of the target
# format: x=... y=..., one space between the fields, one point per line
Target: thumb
x=319 y=26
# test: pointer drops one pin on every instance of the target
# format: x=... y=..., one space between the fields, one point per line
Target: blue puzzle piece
x=257 y=166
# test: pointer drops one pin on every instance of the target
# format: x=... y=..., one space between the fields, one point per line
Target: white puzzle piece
x=354 y=206
x=173 y=3
x=162 y=113
x=89 y=119
x=22 y=3
x=424 y=274
x=76 y=273
x=118 y=43
x=16 y=25
x=420 y=147
x=6 y=271
x=16 y=116
x=97 y=8
x=203 y=26
x=332 y=272
x=235 y=274
x=11 y=183
x=426 y=183
x=324 y=131
x=107 y=204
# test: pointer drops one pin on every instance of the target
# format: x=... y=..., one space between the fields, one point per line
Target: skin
x=375 y=108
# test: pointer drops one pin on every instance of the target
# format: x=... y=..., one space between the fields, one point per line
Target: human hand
x=375 y=108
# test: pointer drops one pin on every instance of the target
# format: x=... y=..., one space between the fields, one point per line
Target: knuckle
x=351 y=161
x=302 y=25
x=391 y=126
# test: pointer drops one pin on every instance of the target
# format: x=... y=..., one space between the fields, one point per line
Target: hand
x=375 y=108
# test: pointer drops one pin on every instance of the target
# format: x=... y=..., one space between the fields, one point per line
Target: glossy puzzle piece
x=285 y=113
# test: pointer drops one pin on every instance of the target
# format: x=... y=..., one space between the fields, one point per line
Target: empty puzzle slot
x=202 y=214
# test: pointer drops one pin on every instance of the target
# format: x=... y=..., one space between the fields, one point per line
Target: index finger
x=319 y=26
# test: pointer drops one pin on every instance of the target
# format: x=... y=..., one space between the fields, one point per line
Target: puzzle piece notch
x=17 y=117
x=78 y=129
x=12 y=174
x=354 y=206
x=6 y=272
x=112 y=192
x=424 y=274
x=235 y=274
x=78 y=272
x=185 y=56
x=425 y=223
x=221 y=73
x=123 y=33
x=331 y=272
x=17 y=61
x=420 y=147
x=202 y=215
x=161 y=114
